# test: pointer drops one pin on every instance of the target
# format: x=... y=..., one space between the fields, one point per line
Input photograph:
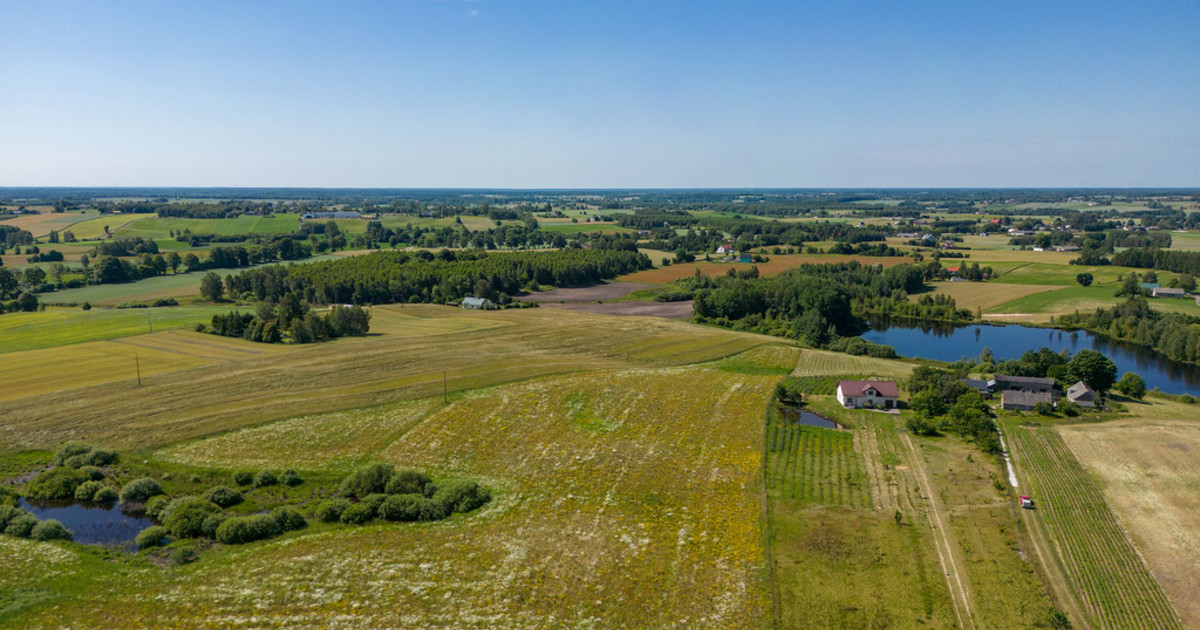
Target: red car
x=1026 y=502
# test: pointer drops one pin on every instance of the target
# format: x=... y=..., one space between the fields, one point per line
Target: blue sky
x=579 y=93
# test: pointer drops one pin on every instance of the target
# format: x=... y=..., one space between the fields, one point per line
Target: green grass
x=1085 y=299
x=155 y=227
x=65 y=326
x=815 y=465
x=170 y=285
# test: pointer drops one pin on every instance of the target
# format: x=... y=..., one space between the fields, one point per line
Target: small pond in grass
x=811 y=419
x=91 y=524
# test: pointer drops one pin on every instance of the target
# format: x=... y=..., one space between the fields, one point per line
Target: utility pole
x=138 y=365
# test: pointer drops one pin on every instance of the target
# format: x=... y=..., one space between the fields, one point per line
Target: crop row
x=815 y=465
x=1100 y=564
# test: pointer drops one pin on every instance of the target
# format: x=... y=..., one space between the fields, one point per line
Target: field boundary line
x=960 y=596
x=772 y=581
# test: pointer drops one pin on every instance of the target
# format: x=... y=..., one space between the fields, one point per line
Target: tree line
x=818 y=304
x=391 y=276
x=1173 y=334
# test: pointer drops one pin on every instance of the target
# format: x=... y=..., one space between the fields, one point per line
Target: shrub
x=139 y=490
x=243 y=529
x=105 y=495
x=331 y=511
x=93 y=472
x=1132 y=385
x=401 y=507
x=8 y=496
x=153 y=536
x=156 y=504
x=69 y=450
x=1043 y=409
x=99 y=457
x=290 y=478
x=223 y=496
x=367 y=480
x=184 y=517
x=211 y=523
x=431 y=510
x=50 y=530
x=7 y=514
x=289 y=518
x=357 y=514
x=21 y=525
x=183 y=554
x=265 y=478
x=243 y=477
x=462 y=496
x=408 y=482
x=59 y=482
x=86 y=490
x=194 y=479
x=373 y=501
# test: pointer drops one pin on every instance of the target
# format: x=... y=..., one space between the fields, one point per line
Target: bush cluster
x=59 y=482
x=184 y=517
x=79 y=454
x=21 y=524
x=243 y=477
x=243 y=529
x=223 y=496
x=152 y=536
x=139 y=491
x=400 y=496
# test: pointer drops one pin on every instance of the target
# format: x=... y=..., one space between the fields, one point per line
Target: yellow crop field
x=1149 y=472
x=624 y=499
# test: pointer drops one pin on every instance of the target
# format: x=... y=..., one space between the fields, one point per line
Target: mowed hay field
x=623 y=498
x=1149 y=471
x=412 y=353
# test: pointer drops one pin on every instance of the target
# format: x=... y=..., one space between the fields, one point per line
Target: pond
x=91 y=524
x=951 y=343
x=810 y=419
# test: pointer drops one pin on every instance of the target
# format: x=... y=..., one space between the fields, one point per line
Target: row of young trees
x=392 y=276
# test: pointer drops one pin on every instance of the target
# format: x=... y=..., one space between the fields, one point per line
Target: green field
x=65 y=326
x=172 y=285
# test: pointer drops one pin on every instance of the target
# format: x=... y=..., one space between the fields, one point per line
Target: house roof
x=974 y=383
x=1024 y=380
x=474 y=301
x=887 y=389
x=1166 y=291
x=1079 y=390
x=1012 y=397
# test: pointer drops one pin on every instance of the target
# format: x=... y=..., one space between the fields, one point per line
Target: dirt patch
x=669 y=310
x=595 y=293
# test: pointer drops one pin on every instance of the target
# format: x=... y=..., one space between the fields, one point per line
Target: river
x=950 y=343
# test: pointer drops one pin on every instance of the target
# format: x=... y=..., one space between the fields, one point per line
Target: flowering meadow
x=623 y=499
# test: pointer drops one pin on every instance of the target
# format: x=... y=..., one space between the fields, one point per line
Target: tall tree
x=211 y=287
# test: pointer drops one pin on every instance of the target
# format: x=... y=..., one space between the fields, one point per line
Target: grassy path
x=959 y=587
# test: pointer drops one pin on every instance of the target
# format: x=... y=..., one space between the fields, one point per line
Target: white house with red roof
x=868 y=394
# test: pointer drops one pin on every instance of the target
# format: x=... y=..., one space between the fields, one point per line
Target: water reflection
x=91 y=523
x=1009 y=342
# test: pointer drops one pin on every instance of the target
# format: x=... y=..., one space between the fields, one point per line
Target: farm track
x=955 y=578
x=1100 y=565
